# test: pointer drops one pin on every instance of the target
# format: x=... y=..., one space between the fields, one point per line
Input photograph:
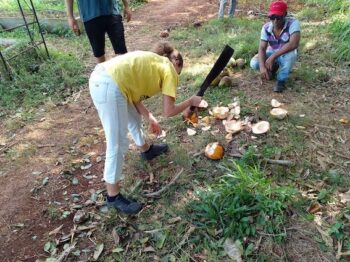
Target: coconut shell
x=275 y=103
x=261 y=127
x=279 y=113
x=214 y=151
x=220 y=112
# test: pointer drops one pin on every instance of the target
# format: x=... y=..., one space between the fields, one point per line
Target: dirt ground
x=37 y=155
x=61 y=129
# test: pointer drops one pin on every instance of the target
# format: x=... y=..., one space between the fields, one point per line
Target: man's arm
x=264 y=73
x=127 y=12
x=291 y=45
x=71 y=20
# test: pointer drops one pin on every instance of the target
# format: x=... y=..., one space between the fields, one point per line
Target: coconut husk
x=220 y=112
x=261 y=127
x=279 y=113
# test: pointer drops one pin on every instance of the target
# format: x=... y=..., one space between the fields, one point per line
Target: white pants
x=117 y=116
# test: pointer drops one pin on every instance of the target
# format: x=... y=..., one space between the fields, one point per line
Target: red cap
x=278 y=8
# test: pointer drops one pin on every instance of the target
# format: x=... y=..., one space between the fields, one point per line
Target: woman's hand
x=154 y=126
x=196 y=100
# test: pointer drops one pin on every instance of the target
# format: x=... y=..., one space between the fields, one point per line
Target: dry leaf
x=344 y=121
x=233 y=249
x=174 y=220
x=56 y=230
x=98 y=251
x=115 y=236
x=149 y=249
x=345 y=197
x=314 y=208
x=326 y=237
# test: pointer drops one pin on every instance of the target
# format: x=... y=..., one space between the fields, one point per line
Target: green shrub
x=242 y=202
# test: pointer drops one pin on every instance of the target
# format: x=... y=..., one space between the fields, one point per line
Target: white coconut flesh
x=279 y=113
x=233 y=126
x=203 y=104
x=220 y=112
x=275 y=103
x=191 y=132
x=260 y=127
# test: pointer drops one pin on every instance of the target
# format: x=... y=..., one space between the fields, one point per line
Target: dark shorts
x=97 y=28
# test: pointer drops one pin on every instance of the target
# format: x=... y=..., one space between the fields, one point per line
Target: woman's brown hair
x=163 y=48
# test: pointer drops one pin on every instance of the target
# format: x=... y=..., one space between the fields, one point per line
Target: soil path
x=41 y=150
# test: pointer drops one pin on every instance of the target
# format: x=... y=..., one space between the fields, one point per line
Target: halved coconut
x=275 y=103
x=260 y=127
x=279 y=113
x=233 y=126
x=214 y=151
x=203 y=105
x=220 y=112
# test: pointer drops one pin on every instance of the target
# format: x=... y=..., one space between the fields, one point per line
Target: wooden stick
x=157 y=193
x=280 y=162
x=65 y=253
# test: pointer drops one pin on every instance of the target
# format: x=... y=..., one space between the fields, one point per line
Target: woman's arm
x=154 y=125
x=171 y=109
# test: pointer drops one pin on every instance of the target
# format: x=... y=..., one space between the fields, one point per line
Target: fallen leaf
x=314 y=208
x=345 y=197
x=56 y=230
x=174 y=220
x=326 y=237
x=149 y=249
x=115 y=236
x=344 y=121
x=98 y=251
x=233 y=249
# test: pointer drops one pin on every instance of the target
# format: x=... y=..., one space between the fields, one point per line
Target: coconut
x=275 y=103
x=233 y=126
x=214 y=151
x=220 y=112
x=240 y=62
x=279 y=113
x=164 y=33
x=232 y=62
x=260 y=127
x=229 y=81
x=216 y=81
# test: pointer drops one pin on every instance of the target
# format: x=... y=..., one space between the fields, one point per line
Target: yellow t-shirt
x=142 y=74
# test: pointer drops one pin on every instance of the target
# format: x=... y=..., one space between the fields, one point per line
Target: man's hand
x=269 y=63
x=264 y=73
x=127 y=14
x=73 y=24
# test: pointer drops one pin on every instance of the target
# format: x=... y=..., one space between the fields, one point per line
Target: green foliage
x=242 y=202
x=340 y=30
x=36 y=79
x=241 y=34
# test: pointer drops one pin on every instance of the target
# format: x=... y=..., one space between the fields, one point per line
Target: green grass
x=37 y=79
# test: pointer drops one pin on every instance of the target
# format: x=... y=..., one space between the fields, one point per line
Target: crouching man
x=279 y=41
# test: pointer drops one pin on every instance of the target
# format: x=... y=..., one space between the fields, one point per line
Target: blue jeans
x=231 y=10
x=285 y=63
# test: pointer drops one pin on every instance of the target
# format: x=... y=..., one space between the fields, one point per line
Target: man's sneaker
x=279 y=87
x=154 y=151
x=124 y=205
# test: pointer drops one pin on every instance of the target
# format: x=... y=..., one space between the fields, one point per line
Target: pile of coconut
x=227 y=77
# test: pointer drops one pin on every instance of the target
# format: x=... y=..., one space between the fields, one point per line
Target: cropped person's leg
x=286 y=63
x=95 y=30
x=232 y=9
x=115 y=31
x=222 y=8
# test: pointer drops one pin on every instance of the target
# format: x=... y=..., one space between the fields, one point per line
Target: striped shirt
x=290 y=27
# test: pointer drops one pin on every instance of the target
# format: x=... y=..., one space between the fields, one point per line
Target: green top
x=90 y=9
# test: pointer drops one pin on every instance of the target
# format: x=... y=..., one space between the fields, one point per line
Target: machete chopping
x=219 y=65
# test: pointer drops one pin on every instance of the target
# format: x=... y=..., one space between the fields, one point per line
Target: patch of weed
x=241 y=203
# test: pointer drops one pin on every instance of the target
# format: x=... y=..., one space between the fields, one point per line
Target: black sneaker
x=154 y=151
x=124 y=205
x=279 y=87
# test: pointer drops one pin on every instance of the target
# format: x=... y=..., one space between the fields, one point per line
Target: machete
x=219 y=65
